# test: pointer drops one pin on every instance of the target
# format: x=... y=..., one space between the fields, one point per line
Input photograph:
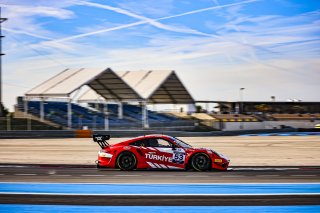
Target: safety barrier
x=128 y=133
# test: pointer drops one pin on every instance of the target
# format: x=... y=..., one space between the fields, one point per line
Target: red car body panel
x=158 y=157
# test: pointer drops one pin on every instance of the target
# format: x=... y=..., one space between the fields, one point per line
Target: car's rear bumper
x=105 y=162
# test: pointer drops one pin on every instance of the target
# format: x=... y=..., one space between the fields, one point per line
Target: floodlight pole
x=240 y=110
x=1 y=54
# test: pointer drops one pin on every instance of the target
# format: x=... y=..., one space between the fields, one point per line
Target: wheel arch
x=123 y=152
x=188 y=164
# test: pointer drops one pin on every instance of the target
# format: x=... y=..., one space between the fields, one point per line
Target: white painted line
x=303 y=175
x=2 y=174
x=127 y=175
x=25 y=174
x=265 y=194
x=239 y=183
x=263 y=169
x=60 y=175
x=92 y=175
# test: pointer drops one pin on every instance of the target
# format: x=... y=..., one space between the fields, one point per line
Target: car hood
x=212 y=151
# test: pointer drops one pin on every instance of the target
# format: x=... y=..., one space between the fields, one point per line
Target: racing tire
x=201 y=162
x=126 y=161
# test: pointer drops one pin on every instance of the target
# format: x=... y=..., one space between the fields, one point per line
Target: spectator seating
x=57 y=112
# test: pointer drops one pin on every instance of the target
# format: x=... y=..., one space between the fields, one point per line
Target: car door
x=162 y=154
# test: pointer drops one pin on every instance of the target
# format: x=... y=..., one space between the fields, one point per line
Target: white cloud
x=287 y=51
x=147 y=7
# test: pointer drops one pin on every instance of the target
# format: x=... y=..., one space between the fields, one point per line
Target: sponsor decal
x=179 y=157
x=158 y=157
x=218 y=160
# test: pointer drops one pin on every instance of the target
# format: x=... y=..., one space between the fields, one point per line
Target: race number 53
x=178 y=157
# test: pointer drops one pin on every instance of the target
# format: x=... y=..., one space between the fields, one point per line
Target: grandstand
x=119 y=99
x=57 y=112
x=104 y=99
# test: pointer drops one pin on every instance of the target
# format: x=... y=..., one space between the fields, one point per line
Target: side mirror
x=174 y=147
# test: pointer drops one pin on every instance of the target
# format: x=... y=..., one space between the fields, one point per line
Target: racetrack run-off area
x=242 y=150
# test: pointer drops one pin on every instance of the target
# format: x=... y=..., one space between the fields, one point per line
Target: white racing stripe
x=157 y=165
x=151 y=164
x=163 y=166
x=166 y=150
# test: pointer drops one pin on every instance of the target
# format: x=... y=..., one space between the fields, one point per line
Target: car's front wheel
x=126 y=161
x=201 y=162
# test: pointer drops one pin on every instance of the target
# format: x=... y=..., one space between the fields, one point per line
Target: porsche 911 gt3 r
x=157 y=152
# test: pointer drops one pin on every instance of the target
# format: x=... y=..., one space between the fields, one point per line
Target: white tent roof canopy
x=104 y=81
x=160 y=86
x=90 y=96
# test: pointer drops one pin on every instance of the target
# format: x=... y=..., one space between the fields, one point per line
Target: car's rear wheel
x=201 y=162
x=126 y=161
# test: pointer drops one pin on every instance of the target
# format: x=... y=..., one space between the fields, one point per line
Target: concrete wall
x=230 y=126
x=127 y=133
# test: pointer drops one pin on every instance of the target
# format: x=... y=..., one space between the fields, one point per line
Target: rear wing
x=101 y=140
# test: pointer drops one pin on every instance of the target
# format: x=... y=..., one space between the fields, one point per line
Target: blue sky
x=269 y=47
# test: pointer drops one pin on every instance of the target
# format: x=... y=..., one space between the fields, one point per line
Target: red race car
x=157 y=152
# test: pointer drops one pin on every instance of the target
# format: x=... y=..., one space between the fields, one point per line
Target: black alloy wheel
x=201 y=162
x=126 y=161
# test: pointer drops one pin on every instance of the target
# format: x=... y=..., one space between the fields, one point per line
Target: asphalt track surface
x=162 y=200
x=90 y=174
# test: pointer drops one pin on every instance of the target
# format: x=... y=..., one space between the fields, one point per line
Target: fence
x=8 y=124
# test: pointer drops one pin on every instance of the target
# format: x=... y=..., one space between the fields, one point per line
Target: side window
x=164 y=143
x=153 y=142
x=158 y=142
x=143 y=142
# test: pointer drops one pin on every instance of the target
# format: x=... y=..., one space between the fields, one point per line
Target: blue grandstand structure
x=94 y=118
x=125 y=88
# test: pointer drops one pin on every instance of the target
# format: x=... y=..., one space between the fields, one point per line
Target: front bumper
x=221 y=163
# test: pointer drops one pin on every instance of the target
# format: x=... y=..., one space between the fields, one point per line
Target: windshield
x=181 y=143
